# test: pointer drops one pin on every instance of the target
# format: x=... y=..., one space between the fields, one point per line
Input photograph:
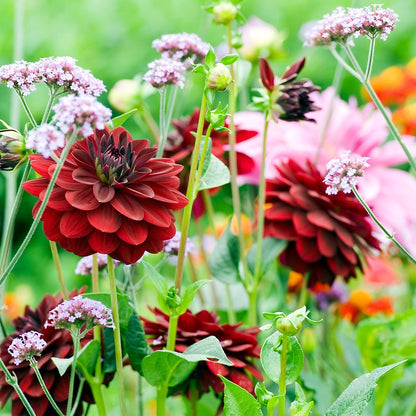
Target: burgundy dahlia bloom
x=111 y=197
x=239 y=345
x=58 y=344
x=326 y=233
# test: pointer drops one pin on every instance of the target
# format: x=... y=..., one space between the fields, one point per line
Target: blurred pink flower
x=389 y=191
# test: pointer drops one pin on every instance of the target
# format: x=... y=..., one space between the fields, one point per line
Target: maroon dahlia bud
x=11 y=149
x=326 y=235
x=266 y=75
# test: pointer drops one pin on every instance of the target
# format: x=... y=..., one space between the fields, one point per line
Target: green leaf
x=137 y=347
x=225 y=257
x=208 y=155
x=270 y=359
x=358 y=394
x=157 y=279
x=62 y=364
x=200 y=69
x=189 y=295
x=271 y=248
x=229 y=59
x=121 y=119
x=88 y=357
x=208 y=349
x=216 y=175
x=109 y=364
x=238 y=401
x=300 y=407
x=210 y=58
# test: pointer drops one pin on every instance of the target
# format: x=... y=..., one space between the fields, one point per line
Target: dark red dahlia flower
x=326 y=234
x=240 y=345
x=59 y=344
x=111 y=197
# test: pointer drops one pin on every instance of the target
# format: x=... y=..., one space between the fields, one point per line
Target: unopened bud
x=308 y=340
x=219 y=77
x=11 y=149
x=289 y=326
x=128 y=94
x=225 y=13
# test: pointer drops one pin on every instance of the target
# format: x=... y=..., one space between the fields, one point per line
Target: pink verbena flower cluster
x=78 y=312
x=45 y=139
x=171 y=247
x=26 y=346
x=165 y=71
x=181 y=46
x=84 y=266
x=83 y=112
x=343 y=172
x=344 y=23
x=60 y=72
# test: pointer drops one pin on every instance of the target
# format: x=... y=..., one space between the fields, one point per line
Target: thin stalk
x=117 y=334
x=78 y=398
x=193 y=398
x=171 y=105
x=96 y=389
x=48 y=108
x=370 y=59
x=162 y=116
x=189 y=194
x=41 y=209
x=150 y=122
x=282 y=378
x=232 y=102
x=162 y=393
x=11 y=379
x=27 y=110
x=252 y=305
x=344 y=64
x=97 y=330
x=75 y=338
x=55 y=256
x=173 y=325
x=381 y=226
x=33 y=364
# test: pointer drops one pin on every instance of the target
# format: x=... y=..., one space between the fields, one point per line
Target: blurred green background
x=113 y=39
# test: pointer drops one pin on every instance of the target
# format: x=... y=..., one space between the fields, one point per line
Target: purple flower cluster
x=181 y=46
x=84 y=266
x=78 y=312
x=165 y=71
x=342 y=23
x=26 y=346
x=83 y=112
x=45 y=139
x=171 y=247
x=60 y=72
x=343 y=172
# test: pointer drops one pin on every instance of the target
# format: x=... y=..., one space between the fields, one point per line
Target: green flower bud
x=289 y=326
x=172 y=298
x=12 y=150
x=308 y=340
x=219 y=77
x=225 y=13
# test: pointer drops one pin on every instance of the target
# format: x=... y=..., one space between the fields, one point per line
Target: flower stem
x=51 y=99
x=162 y=116
x=252 y=305
x=75 y=339
x=370 y=59
x=33 y=364
x=96 y=389
x=97 y=330
x=27 y=110
x=173 y=325
x=55 y=256
x=381 y=226
x=11 y=379
x=117 y=334
x=162 y=393
x=41 y=209
x=78 y=398
x=282 y=378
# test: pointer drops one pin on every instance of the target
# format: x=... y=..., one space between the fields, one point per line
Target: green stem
x=395 y=133
x=282 y=378
x=78 y=398
x=162 y=394
x=202 y=160
x=97 y=329
x=75 y=339
x=173 y=325
x=11 y=379
x=381 y=226
x=27 y=110
x=171 y=105
x=162 y=116
x=150 y=122
x=193 y=398
x=117 y=334
x=96 y=389
x=252 y=305
x=370 y=59
x=33 y=364
x=342 y=62
x=189 y=194
x=55 y=256
x=41 y=209
x=232 y=102
x=48 y=108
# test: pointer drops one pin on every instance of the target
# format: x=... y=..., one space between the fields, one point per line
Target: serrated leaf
x=137 y=347
x=210 y=58
x=238 y=401
x=229 y=59
x=271 y=248
x=225 y=258
x=216 y=175
x=358 y=394
x=121 y=119
x=270 y=359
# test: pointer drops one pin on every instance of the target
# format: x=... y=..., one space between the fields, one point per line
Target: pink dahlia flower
x=389 y=191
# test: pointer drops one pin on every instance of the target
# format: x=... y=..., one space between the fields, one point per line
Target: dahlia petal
x=240 y=377
x=281 y=229
x=57 y=199
x=103 y=243
x=82 y=199
x=321 y=219
x=127 y=253
x=217 y=369
x=153 y=246
x=61 y=394
x=35 y=389
x=35 y=186
x=141 y=189
x=105 y=218
x=78 y=246
x=85 y=176
x=253 y=370
x=302 y=226
x=245 y=164
x=344 y=235
x=51 y=220
x=103 y=192
x=300 y=195
x=40 y=406
x=156 y=213
x=128 y=206
x=284 y=196
x=41 y=165
x=327 y=243
x=278 y=212
x=348 y=252
x=82 y=158
x=307 y=249
x=341 y=267
x=65 y=179
x=133 y=232
x=17 y=407
x=74 y=224
x=162 y=233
